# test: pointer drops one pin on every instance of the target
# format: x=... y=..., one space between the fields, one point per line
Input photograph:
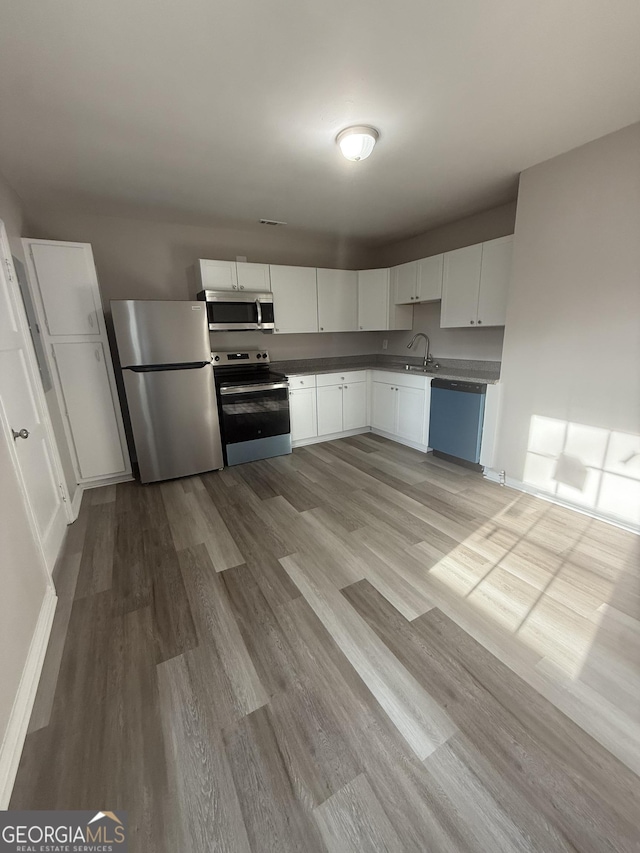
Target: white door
x=295 y=299
x=383 y=406
x=354 y=405
x=24 y=413
x=494 y=281
x=460 y=285
x=90 y=408
x=410 y=414
x=253 y=277
x=404 y=279
x=329 y=409
x=67 y=286
x=373 y=300
x=337 y=300
x=430 y=278
x=303 y=414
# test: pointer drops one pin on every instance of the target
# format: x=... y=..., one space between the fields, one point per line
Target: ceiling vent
x=271 y=222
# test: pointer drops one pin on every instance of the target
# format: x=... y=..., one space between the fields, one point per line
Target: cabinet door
x=404 y=280
x=430 y=279
x=410 y=421
x=383 y=406
x=494 y=281
x=295 y=299
x=354 y=405
x=460 y=286
x=303 y=414
x=373 y=300
x=90 y=408
x=218 y=275
x=68 y=287
x=253 y=277
x=329 y=409
x=337 y=300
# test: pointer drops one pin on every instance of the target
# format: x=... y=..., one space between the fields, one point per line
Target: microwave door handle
x=259 y=310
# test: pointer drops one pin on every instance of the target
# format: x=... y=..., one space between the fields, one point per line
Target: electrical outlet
x=385 y=343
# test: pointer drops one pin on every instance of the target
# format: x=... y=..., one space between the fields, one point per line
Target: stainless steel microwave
x=230 y=311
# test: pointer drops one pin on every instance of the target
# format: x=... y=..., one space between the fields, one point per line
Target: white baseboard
x=318 y=439
x=16 y=732
x=494 y=476
x=75 y=503
x=416 y=445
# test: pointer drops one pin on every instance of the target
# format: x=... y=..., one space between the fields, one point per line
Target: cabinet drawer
x=306 y=380
x=405 y=380
x=338 y=378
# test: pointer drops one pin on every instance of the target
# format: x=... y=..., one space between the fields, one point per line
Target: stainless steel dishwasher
x=455 y=425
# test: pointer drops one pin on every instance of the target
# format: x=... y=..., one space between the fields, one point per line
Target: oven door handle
x=259 y=310
x=252 y=389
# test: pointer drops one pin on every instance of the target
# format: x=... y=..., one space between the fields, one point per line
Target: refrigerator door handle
x=155 y=368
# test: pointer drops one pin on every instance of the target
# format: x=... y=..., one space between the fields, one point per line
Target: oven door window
x=255 y=414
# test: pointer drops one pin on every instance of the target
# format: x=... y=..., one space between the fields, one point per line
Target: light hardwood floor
x=353 y=648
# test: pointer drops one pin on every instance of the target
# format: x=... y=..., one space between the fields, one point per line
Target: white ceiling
x=230 y=108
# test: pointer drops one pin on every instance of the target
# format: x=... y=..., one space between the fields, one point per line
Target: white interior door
x=25 y=414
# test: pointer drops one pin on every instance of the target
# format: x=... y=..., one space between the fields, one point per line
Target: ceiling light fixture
x=356 y=143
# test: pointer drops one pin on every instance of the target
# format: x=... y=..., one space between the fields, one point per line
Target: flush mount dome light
x=356 y=143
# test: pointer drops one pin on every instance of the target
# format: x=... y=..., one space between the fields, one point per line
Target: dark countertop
x=450 y=368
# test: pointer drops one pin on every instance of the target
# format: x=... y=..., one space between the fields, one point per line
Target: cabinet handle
x=471 y=321
x=340 y=387
x=360 y=327
x=345 y=386
x=322 y=328
x=96 y=352
x=277 y=330
x=90 y=318
x=242 y=287
x=301 y=382
x=479 y=322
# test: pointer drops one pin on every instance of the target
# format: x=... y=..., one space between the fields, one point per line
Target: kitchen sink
x=418 y=368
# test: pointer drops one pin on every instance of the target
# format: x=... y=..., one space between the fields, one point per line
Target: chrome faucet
x=427 y=357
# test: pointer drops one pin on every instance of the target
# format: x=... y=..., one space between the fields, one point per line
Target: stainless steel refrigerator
x=165 y=357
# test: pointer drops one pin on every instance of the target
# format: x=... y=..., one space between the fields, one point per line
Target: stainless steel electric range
x=253 y=402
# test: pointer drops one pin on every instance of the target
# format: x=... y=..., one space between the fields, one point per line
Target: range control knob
x=259 y=355
x=217 y=358
x=264 y=355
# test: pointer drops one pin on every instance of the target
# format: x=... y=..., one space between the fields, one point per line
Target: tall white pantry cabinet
x=64 y=287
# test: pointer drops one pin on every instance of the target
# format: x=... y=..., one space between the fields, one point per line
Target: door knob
x=23 y=433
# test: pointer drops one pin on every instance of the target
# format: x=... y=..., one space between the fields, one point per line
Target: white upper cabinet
x=217 y=275
x=373 y=300
x=475 y=284
x=429 y=282
x=404 y=281
x=68 y=287
x=295 y=299
x=377 y=309
x=460 y=287
x=494 y=281
x=337 y=300
x=254 y=277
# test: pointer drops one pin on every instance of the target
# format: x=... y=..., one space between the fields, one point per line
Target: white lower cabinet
x=342 y=402
x=303 y=413
x=400 y=406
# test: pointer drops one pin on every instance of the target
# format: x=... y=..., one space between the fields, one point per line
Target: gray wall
x=572 y=343
x=22 y=575
x=147 y=258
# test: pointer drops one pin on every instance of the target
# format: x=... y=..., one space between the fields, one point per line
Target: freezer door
x=174 y=417
x=154 y=332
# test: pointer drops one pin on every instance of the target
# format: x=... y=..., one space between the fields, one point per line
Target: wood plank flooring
x=353 y=648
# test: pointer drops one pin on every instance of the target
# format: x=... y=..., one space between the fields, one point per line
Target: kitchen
x=565 y=429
